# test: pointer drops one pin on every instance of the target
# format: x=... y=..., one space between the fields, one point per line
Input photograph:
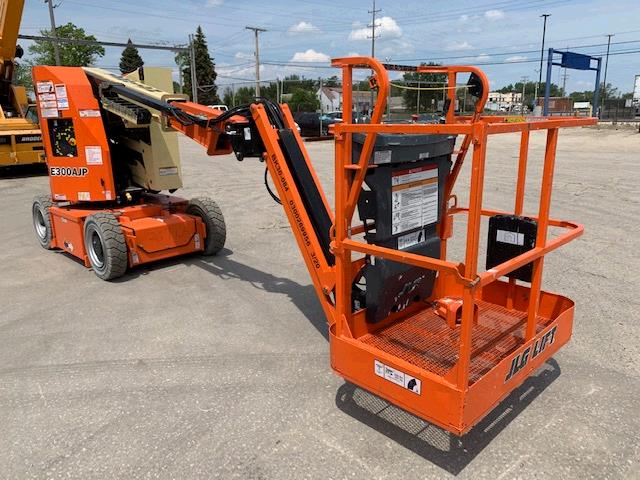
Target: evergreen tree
x=130 y=59
x=205 y=71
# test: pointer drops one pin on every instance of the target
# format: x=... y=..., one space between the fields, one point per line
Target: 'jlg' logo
x=532 y=351
x=68 y=171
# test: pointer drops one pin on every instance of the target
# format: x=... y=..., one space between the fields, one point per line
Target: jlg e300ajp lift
x=441 y=339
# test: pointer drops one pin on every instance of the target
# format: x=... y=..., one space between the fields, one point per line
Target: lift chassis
x=444 y=340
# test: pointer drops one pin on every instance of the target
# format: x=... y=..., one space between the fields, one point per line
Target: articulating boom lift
x=443 y=340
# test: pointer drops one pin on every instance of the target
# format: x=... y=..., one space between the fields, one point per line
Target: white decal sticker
x=61 y=91
x=166 y=171
x=58 y=196
x=49 y=112
x=93 y=155
x=89 y=113
x=382 y=156
x=48 y=104
x=414 y=198
x=411 y=239
x=84 y=196
x=47 y=97
x=513 y=238
x=63 y=104
x=396 y=376
x=44 y=87
x=107 y=195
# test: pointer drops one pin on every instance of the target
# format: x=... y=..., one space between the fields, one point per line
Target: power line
x=78 y=41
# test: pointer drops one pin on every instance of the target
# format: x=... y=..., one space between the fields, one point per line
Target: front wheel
x=40 y=211
x=105 y=245
x=211 y=215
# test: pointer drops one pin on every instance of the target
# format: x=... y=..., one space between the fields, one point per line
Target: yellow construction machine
x=20 y=136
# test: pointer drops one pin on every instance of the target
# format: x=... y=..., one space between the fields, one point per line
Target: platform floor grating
x=426 y=340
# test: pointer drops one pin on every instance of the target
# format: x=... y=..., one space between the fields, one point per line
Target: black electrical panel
x=62 y=136
x=401 y=205
x=510 y=236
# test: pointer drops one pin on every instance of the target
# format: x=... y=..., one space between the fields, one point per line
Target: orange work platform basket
x=454 y=356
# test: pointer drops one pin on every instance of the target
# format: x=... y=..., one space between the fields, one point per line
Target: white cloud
x=244 y=56
x=464 y=18
x=456 y=46
x=310 y=56
x=214 y=3
x=515 y=58
x=386 y=27
x=302 y=27
x=493 y=15
x=483 y=57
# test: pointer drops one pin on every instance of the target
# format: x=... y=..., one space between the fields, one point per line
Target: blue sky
x=503 y=37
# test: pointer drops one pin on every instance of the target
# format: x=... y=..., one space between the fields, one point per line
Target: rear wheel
x=211 y=215
x=105 y=245
x=40 y=211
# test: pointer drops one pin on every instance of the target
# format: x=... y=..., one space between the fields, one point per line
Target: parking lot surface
x=219 y=368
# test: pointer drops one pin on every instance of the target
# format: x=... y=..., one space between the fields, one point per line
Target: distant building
x=503 y=102
x=557 y=105
x=330 y=98
x=582 y=108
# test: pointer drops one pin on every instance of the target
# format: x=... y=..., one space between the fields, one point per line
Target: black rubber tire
x=105 y=245
x=211 y=215
x=42 y=220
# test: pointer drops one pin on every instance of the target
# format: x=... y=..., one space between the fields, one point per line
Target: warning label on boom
x=414 y=198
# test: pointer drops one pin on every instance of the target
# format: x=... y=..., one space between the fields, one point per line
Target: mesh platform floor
x=426 y=341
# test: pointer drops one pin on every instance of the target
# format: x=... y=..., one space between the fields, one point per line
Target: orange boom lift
x=445 y=340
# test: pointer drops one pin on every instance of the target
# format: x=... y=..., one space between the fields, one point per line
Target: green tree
x=22 y=74
x=205 y=70
x=294 y=82
x=130 y=60
x=71 y=55
x=304 y=101
x=428 y=98
x=333 y=81
x=530 y=90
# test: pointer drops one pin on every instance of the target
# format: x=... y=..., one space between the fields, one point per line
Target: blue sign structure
x=575 y=61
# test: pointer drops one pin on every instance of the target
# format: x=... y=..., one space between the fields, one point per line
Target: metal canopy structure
x=575 y=61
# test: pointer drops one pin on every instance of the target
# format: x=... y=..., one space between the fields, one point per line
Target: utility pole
x=54 y=34
x=194 y=77
x=606 y=65
x=544 y=33
x=256 y=32
x=373 y=37
x=565 y=75
x=524 y=83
